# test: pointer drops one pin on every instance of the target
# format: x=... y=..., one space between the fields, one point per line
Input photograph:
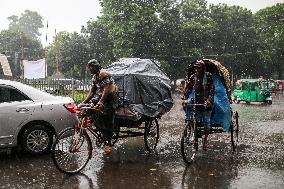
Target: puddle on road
x=253 y=177
x=258 y=163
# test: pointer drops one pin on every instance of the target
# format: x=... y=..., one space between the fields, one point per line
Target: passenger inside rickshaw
x=221 y=112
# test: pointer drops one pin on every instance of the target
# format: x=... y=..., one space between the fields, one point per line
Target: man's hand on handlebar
x=188 y=103
x=80 y=105
x=100 y=105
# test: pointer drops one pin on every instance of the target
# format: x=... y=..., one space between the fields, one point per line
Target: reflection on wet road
x=257 y=164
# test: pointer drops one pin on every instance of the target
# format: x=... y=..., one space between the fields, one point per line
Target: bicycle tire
x=234 y=131
x=69 y=157
x=151 y=135
x=189 y=143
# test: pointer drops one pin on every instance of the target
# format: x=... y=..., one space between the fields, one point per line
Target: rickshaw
x=252 y=90
x=223 y=117
x=144 y=96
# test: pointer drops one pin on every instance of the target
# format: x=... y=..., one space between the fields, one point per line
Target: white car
x=29 y=118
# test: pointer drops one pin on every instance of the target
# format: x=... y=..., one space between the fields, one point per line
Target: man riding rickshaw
x=207 y=99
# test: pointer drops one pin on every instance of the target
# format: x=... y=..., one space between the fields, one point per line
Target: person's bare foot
x=107 y=149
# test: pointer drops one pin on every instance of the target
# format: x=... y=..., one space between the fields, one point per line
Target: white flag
x=34 y=69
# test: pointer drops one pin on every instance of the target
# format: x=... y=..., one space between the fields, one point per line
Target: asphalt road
x=257 y=164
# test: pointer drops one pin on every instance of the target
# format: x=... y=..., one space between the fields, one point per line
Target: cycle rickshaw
x=223 y=118
x=144 y=93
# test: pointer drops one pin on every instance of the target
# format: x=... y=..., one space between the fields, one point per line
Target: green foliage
x=16 y=45
x=269 y=24
x=171 y=31
x=234 y=38
x=131 y=27
x=70 y=53
x=98 y=41
x=29 y=23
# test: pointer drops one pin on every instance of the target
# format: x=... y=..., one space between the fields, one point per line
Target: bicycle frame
x=85 y=123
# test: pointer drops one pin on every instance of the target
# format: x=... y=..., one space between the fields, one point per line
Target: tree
x=131 y=26
x=29 y=23
x=16 y=45
x=234 y=38
x=269 y=23
x=185 y=33
x=69 y=54
x=99 y=42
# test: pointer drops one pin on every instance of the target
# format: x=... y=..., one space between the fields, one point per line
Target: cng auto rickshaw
x=252 y=90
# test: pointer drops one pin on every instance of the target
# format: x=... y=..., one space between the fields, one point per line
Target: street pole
x=57 y=59
x=22 y=56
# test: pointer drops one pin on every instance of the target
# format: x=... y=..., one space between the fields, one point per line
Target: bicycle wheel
x=115 y=136
x=151 y=135
x=234 y=130
x=72 y=150
x=189 y=143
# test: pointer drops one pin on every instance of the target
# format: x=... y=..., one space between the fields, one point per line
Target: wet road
x=258 y=163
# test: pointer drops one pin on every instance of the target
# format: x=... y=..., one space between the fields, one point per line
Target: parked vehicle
x=252 y=90
x=29 y=118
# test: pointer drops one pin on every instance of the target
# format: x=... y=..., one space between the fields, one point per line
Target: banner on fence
x=5 y=65
x=34 y=69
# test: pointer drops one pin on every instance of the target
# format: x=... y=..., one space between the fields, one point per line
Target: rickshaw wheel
x=151 y=134
x=234 y=128
x=236 y=101
x=189 y=143
x=72 y=150
x=115 y=136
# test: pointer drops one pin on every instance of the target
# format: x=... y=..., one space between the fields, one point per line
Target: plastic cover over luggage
x=142 y=85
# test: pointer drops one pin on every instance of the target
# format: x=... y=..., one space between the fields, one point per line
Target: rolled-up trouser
x=104 y=122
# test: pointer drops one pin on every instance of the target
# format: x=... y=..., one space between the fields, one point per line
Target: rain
x=150 y=50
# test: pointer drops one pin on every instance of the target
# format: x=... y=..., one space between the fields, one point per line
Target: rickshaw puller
x=202 y=83
x=104 y=89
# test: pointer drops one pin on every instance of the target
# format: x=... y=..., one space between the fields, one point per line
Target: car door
x=15 y=108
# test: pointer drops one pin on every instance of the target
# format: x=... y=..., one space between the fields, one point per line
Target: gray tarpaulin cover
x=143 y=85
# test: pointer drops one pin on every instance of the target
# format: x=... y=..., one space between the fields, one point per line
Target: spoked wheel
x=234 y=130
x=72 y=150
x=151 y=135
x=189 y=143
x=115 y=136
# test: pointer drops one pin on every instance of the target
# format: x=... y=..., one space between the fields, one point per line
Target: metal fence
x=61 y=87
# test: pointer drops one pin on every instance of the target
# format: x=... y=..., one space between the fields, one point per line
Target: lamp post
x=22 y=61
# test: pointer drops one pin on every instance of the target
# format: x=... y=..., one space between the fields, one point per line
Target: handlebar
x=186 y=103
x=195 y=105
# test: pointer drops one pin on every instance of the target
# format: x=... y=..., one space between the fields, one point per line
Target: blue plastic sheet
x=221 y=113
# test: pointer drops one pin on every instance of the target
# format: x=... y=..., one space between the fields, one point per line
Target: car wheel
x=269 y=102
x=37 y=139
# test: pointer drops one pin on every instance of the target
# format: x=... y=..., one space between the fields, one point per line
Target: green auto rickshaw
x=252 y=90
